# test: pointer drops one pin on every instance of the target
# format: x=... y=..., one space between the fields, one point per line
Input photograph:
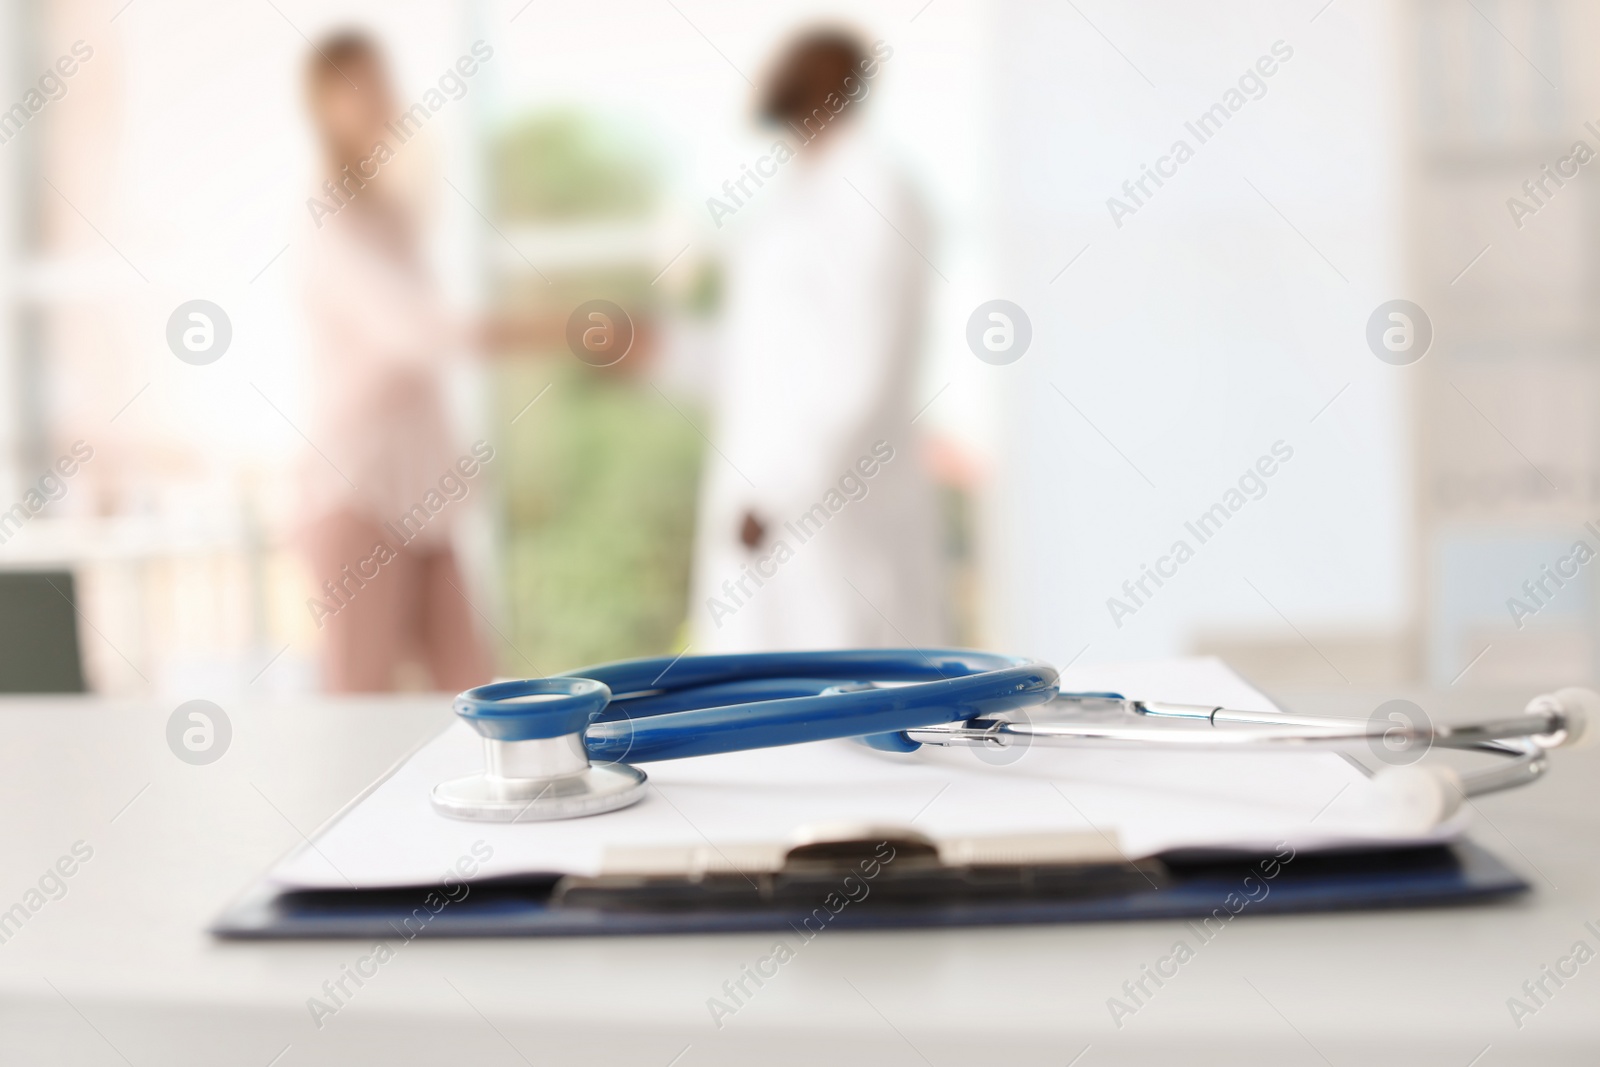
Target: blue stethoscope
x=565 y=746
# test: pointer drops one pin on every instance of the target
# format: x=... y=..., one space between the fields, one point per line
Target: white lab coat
x=815 y=386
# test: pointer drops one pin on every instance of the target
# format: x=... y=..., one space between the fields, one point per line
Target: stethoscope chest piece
x=536 y=766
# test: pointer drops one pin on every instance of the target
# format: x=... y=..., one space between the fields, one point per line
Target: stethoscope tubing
x=665 y=709
x=661 y=708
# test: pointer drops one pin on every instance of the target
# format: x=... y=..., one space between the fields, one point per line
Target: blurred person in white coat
x=818 y=525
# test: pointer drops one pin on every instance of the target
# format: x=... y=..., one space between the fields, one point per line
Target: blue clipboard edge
x=1200 y=888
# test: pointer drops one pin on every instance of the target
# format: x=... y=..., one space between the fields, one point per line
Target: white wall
x=1201 y=331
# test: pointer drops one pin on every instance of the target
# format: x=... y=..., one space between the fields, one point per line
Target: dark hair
x=814 y=64
x=344 y=48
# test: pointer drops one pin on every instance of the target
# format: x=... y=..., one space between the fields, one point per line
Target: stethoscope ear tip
x=1415 y=798
x=1577 y=707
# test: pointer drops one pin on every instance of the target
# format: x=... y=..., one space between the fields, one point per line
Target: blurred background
x=1182 y=327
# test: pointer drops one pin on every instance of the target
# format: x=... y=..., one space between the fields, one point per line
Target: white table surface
x=120 y=970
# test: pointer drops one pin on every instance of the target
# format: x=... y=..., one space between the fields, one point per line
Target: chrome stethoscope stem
x=1521 y=740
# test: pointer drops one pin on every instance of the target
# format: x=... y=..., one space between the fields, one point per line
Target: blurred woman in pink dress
x=378 y=335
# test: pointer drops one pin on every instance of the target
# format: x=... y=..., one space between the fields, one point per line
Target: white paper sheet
x=1148 y=802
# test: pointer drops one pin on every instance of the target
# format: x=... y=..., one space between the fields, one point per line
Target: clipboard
x=1209 y=890
x=1232 y=835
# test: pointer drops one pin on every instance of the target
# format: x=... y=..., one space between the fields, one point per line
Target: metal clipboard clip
x=835 y=866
